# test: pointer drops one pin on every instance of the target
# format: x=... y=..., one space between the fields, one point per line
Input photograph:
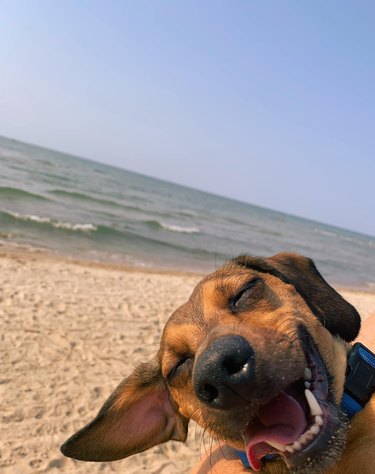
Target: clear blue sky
x=268 y=102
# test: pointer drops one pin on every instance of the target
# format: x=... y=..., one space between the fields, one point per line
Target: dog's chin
x=318 y=459
x=301 y=425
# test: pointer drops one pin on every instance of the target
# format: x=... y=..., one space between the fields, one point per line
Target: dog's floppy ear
x=336 y=314
x=138 y=415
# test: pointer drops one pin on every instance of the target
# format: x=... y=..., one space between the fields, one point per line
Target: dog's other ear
x=138 y=415
x=336 y=314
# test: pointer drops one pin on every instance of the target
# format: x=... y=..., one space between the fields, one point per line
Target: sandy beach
x=70 y=332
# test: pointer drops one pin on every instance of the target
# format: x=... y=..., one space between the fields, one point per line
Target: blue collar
x=359 y=386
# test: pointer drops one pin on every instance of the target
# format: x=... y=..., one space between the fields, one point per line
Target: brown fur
x=156 y=402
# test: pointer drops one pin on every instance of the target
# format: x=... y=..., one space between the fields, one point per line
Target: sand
x=69 y=333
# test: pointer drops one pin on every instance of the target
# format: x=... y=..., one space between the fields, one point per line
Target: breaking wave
x=52 y=222
x=172 y=227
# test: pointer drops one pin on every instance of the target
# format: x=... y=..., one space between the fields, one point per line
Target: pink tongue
x=284 y=421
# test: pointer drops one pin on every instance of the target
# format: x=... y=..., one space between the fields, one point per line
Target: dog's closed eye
x=180 y=370
x=249 y=292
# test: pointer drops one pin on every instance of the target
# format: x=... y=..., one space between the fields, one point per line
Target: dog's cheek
x=333 y=351
x=337 y=367
x=186 y=403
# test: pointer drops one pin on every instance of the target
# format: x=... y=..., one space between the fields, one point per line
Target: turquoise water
x=88 y=210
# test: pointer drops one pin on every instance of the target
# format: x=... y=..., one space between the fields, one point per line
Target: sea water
x=88 y=210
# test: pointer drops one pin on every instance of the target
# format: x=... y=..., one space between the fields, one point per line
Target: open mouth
x=299 y=422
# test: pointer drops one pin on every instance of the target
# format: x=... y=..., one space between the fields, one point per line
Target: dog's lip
x=299 y=447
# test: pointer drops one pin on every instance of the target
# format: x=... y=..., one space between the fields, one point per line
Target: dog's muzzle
x=224 y=372
x=297 y=423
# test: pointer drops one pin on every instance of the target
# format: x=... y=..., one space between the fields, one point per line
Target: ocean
x=87 y=210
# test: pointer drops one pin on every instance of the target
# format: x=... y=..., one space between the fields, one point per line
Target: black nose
x=224 y=371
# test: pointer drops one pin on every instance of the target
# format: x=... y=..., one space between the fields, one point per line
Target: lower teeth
x=308 y=436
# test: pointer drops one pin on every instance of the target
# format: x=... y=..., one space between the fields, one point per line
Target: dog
x=257 y=357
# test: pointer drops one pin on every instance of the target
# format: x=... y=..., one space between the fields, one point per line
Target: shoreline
x=32 y=253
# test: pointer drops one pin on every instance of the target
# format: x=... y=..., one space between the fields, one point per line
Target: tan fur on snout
x=272 y=304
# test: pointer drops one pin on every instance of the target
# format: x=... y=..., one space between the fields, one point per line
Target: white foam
x=177 y=228
x=54 y=223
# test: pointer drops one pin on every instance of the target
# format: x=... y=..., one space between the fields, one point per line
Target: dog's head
x=257 y=357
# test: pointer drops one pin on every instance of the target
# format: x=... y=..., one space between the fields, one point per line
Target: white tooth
x=307 y=384
x=279 y=446
x=297 y=445
x=313 y=403
x=290 y=448
x=308 y=373
x=319 y=420
x=314 y=429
